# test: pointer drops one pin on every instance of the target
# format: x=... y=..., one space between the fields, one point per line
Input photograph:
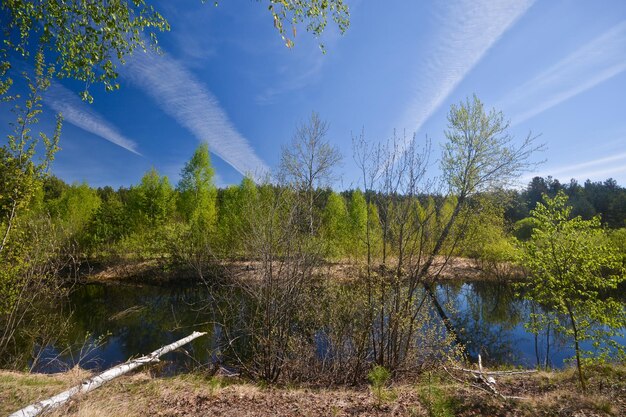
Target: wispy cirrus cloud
x=597 y=168
x=80 y=114
x=593 y=63
x=305 y=67
x=466 y=31
x=293 y=83
x=179 y=94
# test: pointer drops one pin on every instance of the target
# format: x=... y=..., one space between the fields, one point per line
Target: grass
x=434 y=394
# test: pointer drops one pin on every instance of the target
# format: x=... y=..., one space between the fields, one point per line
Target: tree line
x=606 y=199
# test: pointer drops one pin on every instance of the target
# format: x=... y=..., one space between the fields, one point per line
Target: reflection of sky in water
x=142 y=319
x=493 y=319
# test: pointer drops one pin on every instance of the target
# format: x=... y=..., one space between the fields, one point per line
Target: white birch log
x=101 y=379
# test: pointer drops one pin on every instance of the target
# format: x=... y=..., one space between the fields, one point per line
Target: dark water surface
x=112 y=323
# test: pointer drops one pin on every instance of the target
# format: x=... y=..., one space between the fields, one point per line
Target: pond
x=109 y=324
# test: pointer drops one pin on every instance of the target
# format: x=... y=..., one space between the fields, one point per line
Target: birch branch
x=101 y=379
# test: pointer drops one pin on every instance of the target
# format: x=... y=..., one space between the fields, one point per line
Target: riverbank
x=553 y=393
x=160 y=271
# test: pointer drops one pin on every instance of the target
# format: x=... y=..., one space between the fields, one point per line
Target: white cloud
x=80 y=114
x=599 y=168
x=305 y=64
x=179 y=93
x=595 y=62
x=466 y=31
x=293 y=83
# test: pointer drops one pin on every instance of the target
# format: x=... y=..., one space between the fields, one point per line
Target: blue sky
x=555 y=68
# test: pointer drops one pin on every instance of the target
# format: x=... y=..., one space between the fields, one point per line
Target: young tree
x=197 y=203
x=24 y=251
x=233 y=223
x=335 y=225
x=75 y=207
x=152 y=201
x=197 y=191
x=309 y=162
x=572 y=269
x=109 y=223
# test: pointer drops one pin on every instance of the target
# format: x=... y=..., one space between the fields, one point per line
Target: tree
x=86 y=40
x=233 y=223
x=75 y=207
x=314 y=12
x=197 y=204
x=479 y=155
x=572 y=267
x=20 y=170
x=109 y=223
x=197 y=190
x=309 y=162
x=25 y=246
x=152 y=201
x=335 y=225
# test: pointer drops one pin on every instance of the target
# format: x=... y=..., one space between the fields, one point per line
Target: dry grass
x=547 y=394
x=19 y=389
x=152 y=271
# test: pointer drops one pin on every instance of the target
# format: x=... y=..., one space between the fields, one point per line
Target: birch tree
x=309 y=163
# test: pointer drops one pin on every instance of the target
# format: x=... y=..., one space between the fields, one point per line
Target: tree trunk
x=98 y=380
x=581 y=378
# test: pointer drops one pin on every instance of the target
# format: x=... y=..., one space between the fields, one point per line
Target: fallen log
x=101 y=379
x=486 y=381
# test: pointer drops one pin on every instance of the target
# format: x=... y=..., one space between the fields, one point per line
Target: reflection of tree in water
x=138 y=319
x=486 y=314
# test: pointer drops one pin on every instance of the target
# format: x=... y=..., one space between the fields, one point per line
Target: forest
x=293 y=281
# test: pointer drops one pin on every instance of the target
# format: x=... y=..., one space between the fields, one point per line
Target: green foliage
x=314 y=12
x=523 y=229
x=109 y=224
x=479 y=153
x=484 y=238
x=86 y=39
x=335 y=226
x=197 y=190
x=379 y=378
x=232 y=223
x=357 y=214
x=152 y=201
x=75 y=207
x=21 y=174
x=194 y=242
x=437 y=402
x=618 y=240
x=573 y=267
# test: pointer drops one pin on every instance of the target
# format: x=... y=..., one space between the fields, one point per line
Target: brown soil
x=544 y=394
x=155 y=271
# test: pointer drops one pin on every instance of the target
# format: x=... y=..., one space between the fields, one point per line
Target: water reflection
x=112 y=323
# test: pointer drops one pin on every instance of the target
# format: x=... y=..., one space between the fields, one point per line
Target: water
x=112 y=323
